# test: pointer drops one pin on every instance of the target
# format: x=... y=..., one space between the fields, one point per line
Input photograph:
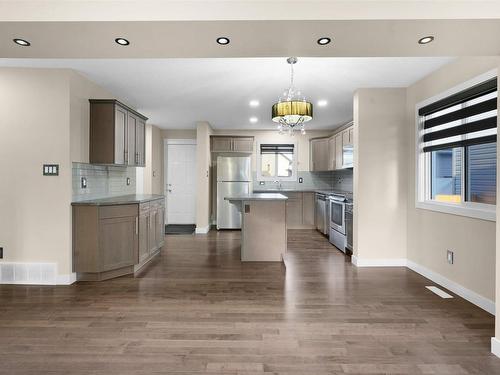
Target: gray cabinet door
x=121 y=115
x=140 y=146
x=243 y=144
x=331 y=153
x=152 y=231
x=117 y=241
x=338 y=151
x=222 y=144
x=143 y=236
x=308 y=204
x=319 y=154
x=160 y=227
x=294 y=211
x=131 y=139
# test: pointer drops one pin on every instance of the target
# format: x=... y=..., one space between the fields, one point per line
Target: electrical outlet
x=301 y=180
x=128 y=181
x=83 y=182
x=261 y=183
x=1 y=252
x=449 y=256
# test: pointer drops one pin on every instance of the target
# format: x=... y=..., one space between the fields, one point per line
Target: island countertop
x=258 y=197
x=122 y=199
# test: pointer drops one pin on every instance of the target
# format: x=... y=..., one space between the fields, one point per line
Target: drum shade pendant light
x=292 y=109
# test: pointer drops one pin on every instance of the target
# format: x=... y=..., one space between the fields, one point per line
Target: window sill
x=483 y=213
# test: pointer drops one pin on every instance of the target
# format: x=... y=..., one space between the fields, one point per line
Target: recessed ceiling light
x=426 y=39
x=21 y=42
x=324 y=41
x=122 y=41
x=223 y=40
x=253 y=120
x=322 y=103
x=254 y=103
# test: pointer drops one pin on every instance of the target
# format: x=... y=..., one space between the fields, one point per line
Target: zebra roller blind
x=463 y=119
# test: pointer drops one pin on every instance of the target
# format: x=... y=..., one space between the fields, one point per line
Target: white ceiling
x=176 y=93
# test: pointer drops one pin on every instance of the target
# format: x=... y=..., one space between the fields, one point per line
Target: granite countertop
x=122 y=199
x=258 y=197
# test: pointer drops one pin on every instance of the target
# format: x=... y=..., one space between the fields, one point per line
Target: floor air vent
x=441 y=293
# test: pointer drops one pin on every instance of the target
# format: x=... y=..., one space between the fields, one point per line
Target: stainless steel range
x=338 y=221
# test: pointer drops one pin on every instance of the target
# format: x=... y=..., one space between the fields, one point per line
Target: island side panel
x=263 y=231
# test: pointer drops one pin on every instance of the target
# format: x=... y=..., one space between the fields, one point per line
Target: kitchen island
x=263 y=226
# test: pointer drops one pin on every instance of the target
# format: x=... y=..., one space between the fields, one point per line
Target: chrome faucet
x=277 y=182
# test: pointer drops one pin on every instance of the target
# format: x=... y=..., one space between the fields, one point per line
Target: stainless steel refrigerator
x=233 y=178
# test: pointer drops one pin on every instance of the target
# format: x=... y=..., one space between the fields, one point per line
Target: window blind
x=276 y=148
x=463 y=119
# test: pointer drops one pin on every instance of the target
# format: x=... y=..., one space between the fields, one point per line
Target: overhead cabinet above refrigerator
x=117 y=134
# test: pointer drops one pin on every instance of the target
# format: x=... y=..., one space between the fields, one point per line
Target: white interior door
x=180 y=184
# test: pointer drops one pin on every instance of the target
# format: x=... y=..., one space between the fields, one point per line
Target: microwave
x=347 y=156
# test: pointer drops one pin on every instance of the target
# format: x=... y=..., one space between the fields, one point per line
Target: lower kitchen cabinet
x=116 y=240
x=300 y=208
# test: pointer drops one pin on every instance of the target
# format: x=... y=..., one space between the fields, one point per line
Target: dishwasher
x=322 y=210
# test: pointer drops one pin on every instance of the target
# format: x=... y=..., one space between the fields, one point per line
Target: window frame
x=293 y=177
x=423 y=164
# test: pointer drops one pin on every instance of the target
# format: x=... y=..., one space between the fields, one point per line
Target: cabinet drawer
x=125 y=210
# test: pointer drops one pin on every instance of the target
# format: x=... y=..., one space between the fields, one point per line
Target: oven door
x=337 y=215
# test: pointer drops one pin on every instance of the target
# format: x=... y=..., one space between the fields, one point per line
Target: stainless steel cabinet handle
x=136 y=225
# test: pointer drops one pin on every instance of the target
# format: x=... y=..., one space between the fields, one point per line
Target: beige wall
x=203 y=160
x=380 y=175
x=35 y=214
x=81 y=90
x=430 y=233
x=270 y=136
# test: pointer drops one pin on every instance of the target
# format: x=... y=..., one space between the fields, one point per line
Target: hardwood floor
x=198 y=309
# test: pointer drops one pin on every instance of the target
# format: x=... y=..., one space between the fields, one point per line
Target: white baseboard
x=66 y=279
x=389 y=262
x=495 y=346
x=456 y=288
x=202 y=230
x=33 y=274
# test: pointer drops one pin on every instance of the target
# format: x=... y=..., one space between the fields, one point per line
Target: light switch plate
x=128 y=181
x=449 y=256
x=301 y=180
x=83 y=182
x=261 y=183
x=51 y=169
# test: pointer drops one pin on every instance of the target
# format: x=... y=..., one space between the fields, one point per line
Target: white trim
x=468 y=209
x=66 y=279
x=456 y=288
x=388 y=262
x=495 y=346
x=486 y=213
x=293 y=177
x=202 y=230
x=173 y=141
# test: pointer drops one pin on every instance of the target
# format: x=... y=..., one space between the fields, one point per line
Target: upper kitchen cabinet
x=319 y=156
x=232 y=144
x=117 y=134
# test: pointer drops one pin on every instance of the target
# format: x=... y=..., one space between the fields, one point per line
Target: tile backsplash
x=102 y=181
x=337 y=180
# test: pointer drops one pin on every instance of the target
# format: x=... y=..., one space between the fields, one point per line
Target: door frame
x=166 y=143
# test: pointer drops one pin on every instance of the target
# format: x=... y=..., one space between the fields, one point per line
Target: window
x=277 y=162
x=457 y=151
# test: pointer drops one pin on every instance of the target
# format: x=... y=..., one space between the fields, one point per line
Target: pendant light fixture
x=292 y=109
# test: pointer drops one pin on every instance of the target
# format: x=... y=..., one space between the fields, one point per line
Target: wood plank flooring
x=198 y=310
